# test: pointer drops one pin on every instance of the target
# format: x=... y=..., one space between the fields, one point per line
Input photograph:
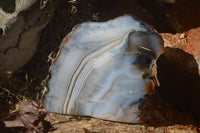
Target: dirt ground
x=177 y=23
x=63 y=124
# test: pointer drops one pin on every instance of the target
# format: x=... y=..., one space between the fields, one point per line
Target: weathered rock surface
x=178 y=70
x=188 y=41
x=19 y=43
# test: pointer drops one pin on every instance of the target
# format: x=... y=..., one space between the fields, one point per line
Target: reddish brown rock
x=178 y=70
x=188 y=41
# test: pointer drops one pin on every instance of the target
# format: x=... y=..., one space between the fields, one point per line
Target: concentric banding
x=94 y=74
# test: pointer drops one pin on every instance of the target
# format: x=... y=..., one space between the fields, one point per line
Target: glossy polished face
x=148 y=43
x=98 y=70
x=145 y=47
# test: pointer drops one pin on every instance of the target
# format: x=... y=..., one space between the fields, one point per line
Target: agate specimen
x=102 y=70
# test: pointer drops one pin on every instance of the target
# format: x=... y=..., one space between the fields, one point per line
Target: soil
x=177 y=23
x=63 y=124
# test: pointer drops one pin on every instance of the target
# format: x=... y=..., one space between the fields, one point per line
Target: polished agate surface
x=102 y=70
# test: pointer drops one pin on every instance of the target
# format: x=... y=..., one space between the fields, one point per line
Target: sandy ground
x=75 y=124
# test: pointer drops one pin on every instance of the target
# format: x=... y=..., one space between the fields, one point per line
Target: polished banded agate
x=101 y=68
